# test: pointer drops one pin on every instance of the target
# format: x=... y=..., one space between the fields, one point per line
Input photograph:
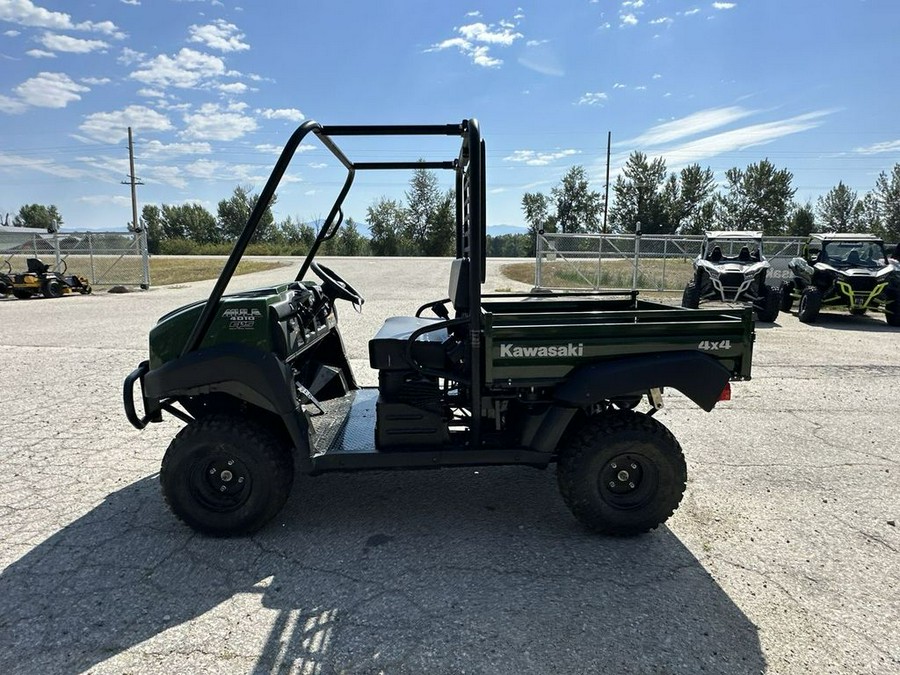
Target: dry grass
x=589 y=274
x=165 y=271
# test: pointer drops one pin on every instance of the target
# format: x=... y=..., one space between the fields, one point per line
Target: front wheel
x=622 y=473
x=691 y=296
x=767 y=311
x=787 y=297
x=225 y=475
x=810 y=304
x=892 y=308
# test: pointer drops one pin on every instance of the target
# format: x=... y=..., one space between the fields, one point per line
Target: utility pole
x=134 y=181
x=606 y=197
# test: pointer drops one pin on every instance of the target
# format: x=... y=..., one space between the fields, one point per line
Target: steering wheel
x=334 y=286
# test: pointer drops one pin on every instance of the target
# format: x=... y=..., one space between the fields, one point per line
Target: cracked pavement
x=782 y=558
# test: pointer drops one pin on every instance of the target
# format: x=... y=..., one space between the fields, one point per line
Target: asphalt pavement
x=783 y=557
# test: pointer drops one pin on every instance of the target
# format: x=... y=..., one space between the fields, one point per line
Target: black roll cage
x=469 y=167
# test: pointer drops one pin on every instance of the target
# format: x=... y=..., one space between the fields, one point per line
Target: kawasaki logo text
x=508 y=351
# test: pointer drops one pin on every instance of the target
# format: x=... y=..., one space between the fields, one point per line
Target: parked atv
x=265 y=388
x=851 y=271
x=39 y=279
x=731 y=267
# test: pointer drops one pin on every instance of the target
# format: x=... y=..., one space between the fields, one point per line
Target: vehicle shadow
x=449 y=571
x=870 y=323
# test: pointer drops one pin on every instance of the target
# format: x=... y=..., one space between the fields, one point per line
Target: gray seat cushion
x=387 y=350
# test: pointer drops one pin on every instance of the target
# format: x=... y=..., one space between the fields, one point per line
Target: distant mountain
x=498 y=230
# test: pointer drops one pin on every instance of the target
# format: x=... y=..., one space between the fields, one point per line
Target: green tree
x=151 y=221
x=440 y=239
x=234 y=212
x=837 y=210
x=640 y=196
x=690 y=200
x=887 y=192
x=39 y=216
x=802 y=220
x=422 y=200
x=387 y=218
x=349 y=241
x=758 y=198
x=868 y=215
x=189 y=221
x=578 y=208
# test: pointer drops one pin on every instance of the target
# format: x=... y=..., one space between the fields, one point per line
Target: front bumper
x=152 y=410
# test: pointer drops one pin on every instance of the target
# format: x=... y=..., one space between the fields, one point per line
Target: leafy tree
x=690 y=200
x=802 y=220
x=151 y=221
x=578 y=208
x=422 y=201
x=349 y=241
x=387 y=219
x=837 y=210
x=758 y=198
x=39 y=216
x=295 y=234
x=640 y=196
x=189 y=221
x=887 y=192
x=536 y=206
x=440 y=240
x=234 y=212
x=867 y=215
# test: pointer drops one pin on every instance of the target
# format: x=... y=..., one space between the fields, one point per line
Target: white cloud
x=42 y=165
x=661 y=20
x=534 y=158
x=476 y=13
x=271 y=149
x=743 y=138
x=113 y=126
x=105 y=199
x=593 y=98
x=12 y=33
x=691 y=12
x=876 y=148
x=636 y=4
x=219 y=35
x=94 y=81
x=628 y=19
x=11 y=106
x=536 y=43
x=187 y=69
x=50 y=90
x=40 y=54
x=147 y=92
x=66 y=43
x=475 y=40
x=129 y=56
x=233 y=88
x=158 y=149
x=290 y=114
x=619 y=85
x=131 y=2
x=656 y=76
x=26 y=13
x=696 y=123
x=724 y=5
x=640 y=88
x=213 y=124
x=317 y=165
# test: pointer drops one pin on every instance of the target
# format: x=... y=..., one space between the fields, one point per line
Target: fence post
x=538 y=257
x=144 y=249
x=34 y=244
x=56 y=249
x=637 y=253
x=665 y=257
x=91 y=253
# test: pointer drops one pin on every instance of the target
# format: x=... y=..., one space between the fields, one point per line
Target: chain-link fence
x=649 y=262
x=104 y=258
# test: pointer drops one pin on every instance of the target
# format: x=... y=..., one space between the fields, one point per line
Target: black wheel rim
x=628 y=481
x=220 y=481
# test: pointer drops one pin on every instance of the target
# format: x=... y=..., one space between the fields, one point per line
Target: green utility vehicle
x=264 y=385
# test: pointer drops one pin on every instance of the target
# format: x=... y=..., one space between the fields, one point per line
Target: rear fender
x=698 y=376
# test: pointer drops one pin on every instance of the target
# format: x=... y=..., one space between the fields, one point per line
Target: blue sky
x=213 y=88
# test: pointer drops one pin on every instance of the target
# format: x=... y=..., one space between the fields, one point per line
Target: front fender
x=698 y=376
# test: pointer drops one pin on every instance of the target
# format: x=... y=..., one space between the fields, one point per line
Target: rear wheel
x=22 y=295
x=225 y=475
x=622 y=473
x=810 y=304
x=892 y=308
x=691 y=296
x=787 y=298
x=770 y=302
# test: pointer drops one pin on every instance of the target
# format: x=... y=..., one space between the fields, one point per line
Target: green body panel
x=533 y=346
x=240 y=318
